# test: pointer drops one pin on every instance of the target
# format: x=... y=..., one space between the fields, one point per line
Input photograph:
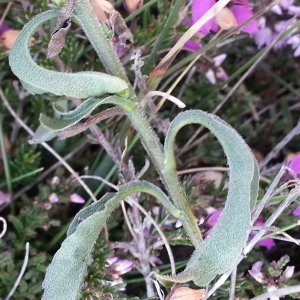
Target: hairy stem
x=168 y=176
x=95 y=33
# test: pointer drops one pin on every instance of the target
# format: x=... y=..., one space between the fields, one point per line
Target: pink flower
x=192 y=46
x=288 y=272
x=55 y=181
x=213 y=218
x=264 y=35
x=4 y=198
x=217 y=72
x=75 y=198
x=118 y=267
x=240 y=12
x=286 y=5
x=267 y=242
x=296 y=212
x=46 y=206
x=53 y=198
x=256 y=273
x=294 y=169
x=4 y=27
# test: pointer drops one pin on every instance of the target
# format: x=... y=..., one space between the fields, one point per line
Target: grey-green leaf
x=221 y=248
x=40 y=80
x=65 y=274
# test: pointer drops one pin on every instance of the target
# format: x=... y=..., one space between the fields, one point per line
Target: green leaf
x=51 y=126
x=225 y=243
x=65 y=274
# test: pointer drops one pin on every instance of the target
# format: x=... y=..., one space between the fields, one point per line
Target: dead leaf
x=87 y=122
x=60 y=31
x=121 y=29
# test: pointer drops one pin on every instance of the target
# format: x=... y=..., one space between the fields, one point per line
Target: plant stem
x=95 y=33
x=168 y=176
x=149 y=139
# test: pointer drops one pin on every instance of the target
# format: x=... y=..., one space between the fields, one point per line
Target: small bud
x=53 y=198
x=179 y=293
x=55 y=181
x=46 y=206
x=75 y=198
x=102 y=9
x=256 y=273
x=288 y=272
x=132 y=5
x=225 y=19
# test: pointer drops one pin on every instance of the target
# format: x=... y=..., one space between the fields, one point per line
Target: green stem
x=150 y=141
x=95 y=33
x=168 y=176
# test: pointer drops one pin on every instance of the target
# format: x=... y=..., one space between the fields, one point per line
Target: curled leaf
x=121 y=29
x=60 y=31
x=89 y=121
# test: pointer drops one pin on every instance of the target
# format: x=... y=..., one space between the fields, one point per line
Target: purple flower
x=4 y=27
x=237 y=12
x=267 y=242
x=199 y=8
x=256 y=273
x=217 y=72
x=293 y=171
x=190 y=45
x=213 y=218
x=53 y=198
x=294 y=41
x=286 y=5
x=264 y=35
x=118 y=266
x=296 y=212
x=55 y=181
x=4 y=198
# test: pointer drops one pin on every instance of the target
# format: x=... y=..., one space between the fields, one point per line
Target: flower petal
x=243 y=13
x=267 y=243
x=75 y=198
x=199 y=8
x=296 y=212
